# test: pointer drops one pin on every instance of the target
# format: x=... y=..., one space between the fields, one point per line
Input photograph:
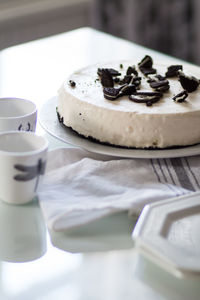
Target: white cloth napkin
x=80 y=187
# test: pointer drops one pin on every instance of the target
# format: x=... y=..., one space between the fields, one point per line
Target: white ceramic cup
x=17 y=114
x=22 y=164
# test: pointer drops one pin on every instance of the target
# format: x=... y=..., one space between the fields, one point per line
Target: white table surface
x=97 y=261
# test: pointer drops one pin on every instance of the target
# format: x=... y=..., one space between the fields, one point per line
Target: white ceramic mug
x=22 y=164
x=17 y=114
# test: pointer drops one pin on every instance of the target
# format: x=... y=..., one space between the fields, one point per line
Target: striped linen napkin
x=80 y=187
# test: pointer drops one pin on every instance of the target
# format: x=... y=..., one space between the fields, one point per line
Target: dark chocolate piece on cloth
x=172 y=70
x=190 y=84
x=180 y=97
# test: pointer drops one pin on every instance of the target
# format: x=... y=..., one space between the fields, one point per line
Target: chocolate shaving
x=116 y=80
x=189 y=84
x=163 y=88
x=150 y=79
x=111 y=93
x=157 y=84
x=106 y=78
x=156 y=78
x=72 y=83
x=126 y=80
x=112 y=72
x=146 y=62
x=160 y=77
x=180 y=97
x=135 y=79
x=114 y=93
x=147 y=71
x=172 y=71
x=127 y=90
x=146 y=97
x=129 y=79
x=160 y=86
x=131 y=70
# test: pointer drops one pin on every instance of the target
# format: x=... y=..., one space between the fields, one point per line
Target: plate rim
x=70 y=137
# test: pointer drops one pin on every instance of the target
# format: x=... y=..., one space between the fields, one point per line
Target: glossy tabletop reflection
x=98 y=260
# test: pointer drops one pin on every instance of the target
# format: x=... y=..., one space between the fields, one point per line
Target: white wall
x=25 y=20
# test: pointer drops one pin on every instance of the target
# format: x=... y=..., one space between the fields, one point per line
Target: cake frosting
x=82 y=106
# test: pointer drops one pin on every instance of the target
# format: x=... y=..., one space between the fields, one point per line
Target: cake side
x=125 y=123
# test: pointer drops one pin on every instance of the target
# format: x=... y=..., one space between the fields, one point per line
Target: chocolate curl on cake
x=159 y=83
x=181 y=97
x=190 y=84
x=111 y=93
x=106 y=78
x=146 y=65
x=146 y=97
x=173 y=70
x=127 y=90
x=72 y=83
x=131 y=70
x=160 y=77
x=130 y=79
x=112 y=72
x=155 y=78
x=126 y=79
x=160 y=86
x=114 y=93
x=146 y=62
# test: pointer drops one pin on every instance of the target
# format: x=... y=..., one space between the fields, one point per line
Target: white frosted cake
x=112 y=106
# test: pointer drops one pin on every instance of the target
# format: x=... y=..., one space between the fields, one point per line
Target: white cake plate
x=49 y=121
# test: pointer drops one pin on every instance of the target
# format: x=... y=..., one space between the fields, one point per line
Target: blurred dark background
x=169 y=26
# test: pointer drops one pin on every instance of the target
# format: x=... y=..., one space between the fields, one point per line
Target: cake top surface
x=85 y=84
